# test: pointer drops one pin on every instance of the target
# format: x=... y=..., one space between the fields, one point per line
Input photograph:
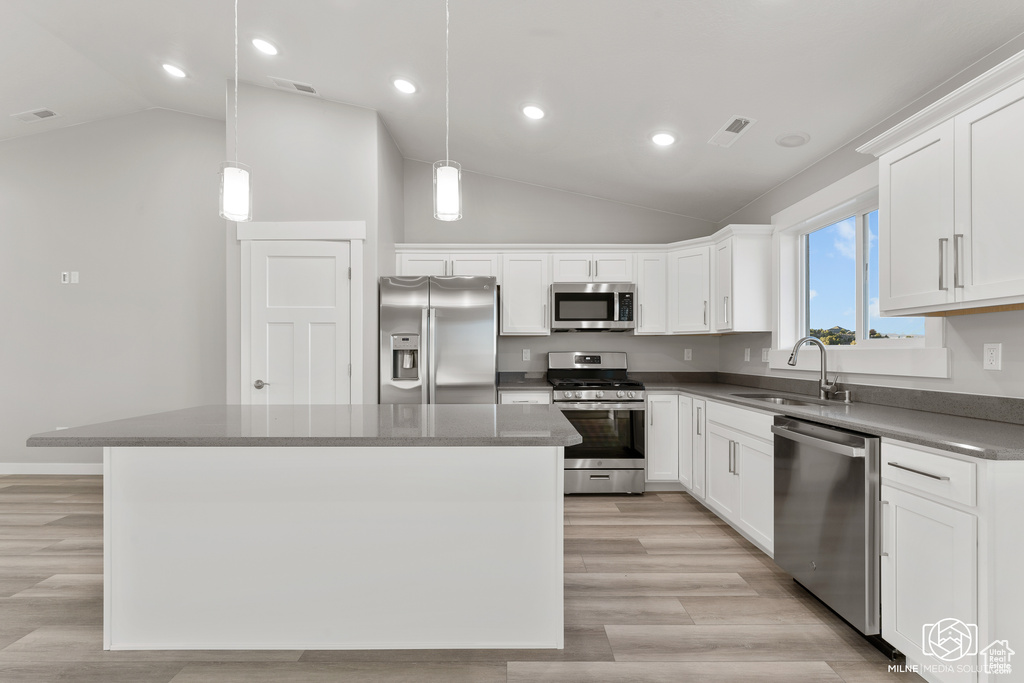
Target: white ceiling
x=609 y=73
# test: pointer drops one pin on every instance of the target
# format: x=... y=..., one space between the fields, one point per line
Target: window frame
x=856 y=194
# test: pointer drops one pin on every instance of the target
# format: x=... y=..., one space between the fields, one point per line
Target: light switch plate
x=687 y=354
x=992 y=358
x=764 y=355
x=746 y=355
x=526 y=354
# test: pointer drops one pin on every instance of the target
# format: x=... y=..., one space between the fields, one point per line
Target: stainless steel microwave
x=592 y=306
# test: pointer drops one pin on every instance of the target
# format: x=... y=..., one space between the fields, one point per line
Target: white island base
x=332 y=547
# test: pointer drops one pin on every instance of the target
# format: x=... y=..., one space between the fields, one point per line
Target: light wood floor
x=656 y=589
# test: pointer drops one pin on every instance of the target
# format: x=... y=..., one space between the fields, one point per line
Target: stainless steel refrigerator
x=438 y=339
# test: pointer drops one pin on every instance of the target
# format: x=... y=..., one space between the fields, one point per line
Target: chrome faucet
x=824 y=388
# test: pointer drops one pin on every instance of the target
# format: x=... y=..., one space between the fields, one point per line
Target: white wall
x=131 y=204
x=644 y=354
x=312 y=159
x=390 y=201
x=496 y=210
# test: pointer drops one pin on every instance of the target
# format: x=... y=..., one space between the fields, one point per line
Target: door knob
x=259 y=384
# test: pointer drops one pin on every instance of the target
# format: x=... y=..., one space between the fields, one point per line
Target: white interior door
x=299 y=337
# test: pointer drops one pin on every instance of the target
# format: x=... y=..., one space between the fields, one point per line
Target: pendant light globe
x=235 y=186
x=447 y=173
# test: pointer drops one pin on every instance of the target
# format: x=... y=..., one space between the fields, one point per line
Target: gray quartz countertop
x=985 y=439
x=329 y=425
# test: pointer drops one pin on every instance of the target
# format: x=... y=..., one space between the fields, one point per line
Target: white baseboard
x=66 y=468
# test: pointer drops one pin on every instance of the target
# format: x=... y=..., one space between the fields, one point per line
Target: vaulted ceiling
x=608 y=73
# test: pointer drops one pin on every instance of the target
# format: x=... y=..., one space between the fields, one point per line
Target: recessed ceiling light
x=663 y=139
x=533 y=112
x=792 y=139
x=174 y=71
x=264 y=46
x=404 y=86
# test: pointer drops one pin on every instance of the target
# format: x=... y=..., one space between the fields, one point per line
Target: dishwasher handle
x=823 y=444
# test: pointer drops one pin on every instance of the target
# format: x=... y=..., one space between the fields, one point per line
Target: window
x=841 y=286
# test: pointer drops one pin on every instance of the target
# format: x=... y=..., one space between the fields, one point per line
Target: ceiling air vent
x=295 y=86
x=731 y=131
x=35 y=115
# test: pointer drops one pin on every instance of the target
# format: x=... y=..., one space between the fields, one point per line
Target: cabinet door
x=929 y=573
x=722 y=492
x=915 y=222
x=531 y=397
x=689 y=278
x=755 y=465
x=474 y=264
x=524 y=294
x=613 y=267
x=685 y=442
x=423 y=264
x=662 y=437
x=651 y=289
x=989 y=238
x=722 y=291
x=699 y=456
x=572 y=268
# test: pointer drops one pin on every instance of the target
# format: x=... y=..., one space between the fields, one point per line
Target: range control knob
x=579 y=394
x=620 y=394
x=631 y=394
x=600 y=394
x=568 y=394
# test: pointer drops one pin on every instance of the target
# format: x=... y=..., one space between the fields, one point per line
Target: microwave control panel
x=625 y=306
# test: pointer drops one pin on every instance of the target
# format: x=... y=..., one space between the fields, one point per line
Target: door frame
x=353 y=232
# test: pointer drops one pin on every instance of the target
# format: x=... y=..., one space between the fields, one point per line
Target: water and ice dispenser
x=405 y=356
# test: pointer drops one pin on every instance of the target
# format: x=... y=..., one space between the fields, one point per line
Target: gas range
x=592 y=377
x=598 y=390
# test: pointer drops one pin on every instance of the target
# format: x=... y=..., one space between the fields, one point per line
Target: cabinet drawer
x=524 y=397
x=942 y=477
x=752 y=422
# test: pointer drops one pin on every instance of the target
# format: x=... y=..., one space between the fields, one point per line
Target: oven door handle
x=597 y=405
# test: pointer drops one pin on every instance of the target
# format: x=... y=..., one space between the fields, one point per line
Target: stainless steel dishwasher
x=826 y=503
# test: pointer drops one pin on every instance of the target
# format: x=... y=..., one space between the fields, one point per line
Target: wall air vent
x=731 y=131
x=295 y=86
x=35 y=115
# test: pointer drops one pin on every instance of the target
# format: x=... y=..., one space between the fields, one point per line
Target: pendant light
x=235 y=187
x=447 y=173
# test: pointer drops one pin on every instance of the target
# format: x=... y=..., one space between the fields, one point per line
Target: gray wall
x=130 y=203
x=311 y=160
x=645 y=354
x=496 y=210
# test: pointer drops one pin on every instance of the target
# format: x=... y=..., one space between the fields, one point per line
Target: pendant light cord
x=236 y=81
x=446 y=106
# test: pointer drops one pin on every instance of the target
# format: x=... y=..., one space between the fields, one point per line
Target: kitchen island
x=332 y=527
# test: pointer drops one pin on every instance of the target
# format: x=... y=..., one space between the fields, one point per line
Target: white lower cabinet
x=528 y=397
x=740 y=471
x=662 y=435
x=929 y=577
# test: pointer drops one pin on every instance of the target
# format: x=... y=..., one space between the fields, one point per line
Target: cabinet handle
x=736 y=458
x=698 y=420
x=705 y=311
x=641 y=316
x=942 y=262
x=732 y=455
x=923 y=474
x=881 y=528
x=958 y=241
x=725 y=310
x=589 y=264
x=544 y=322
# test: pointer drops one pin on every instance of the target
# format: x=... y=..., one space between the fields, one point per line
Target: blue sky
x=832 y=256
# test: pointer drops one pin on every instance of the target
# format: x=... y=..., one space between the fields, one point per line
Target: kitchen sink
x=783 y=400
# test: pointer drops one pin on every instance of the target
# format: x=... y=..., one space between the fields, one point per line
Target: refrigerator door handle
x=432 y=359
x=424 y=360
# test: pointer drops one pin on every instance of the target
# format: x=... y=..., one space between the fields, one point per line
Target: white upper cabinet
x=524 y=294
x=951 y=210
x=428 y=263
x=593 y=267
x=915 y=222
x=741 y=280
x=989 y=205
x=651 y=291
x=689 y=287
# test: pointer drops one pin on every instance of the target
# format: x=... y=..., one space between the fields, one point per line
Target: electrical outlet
x=687 y=354
x=764 y=355
x=746 y=355
x=65 y=277
x=526 y=354
x=992 y=358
